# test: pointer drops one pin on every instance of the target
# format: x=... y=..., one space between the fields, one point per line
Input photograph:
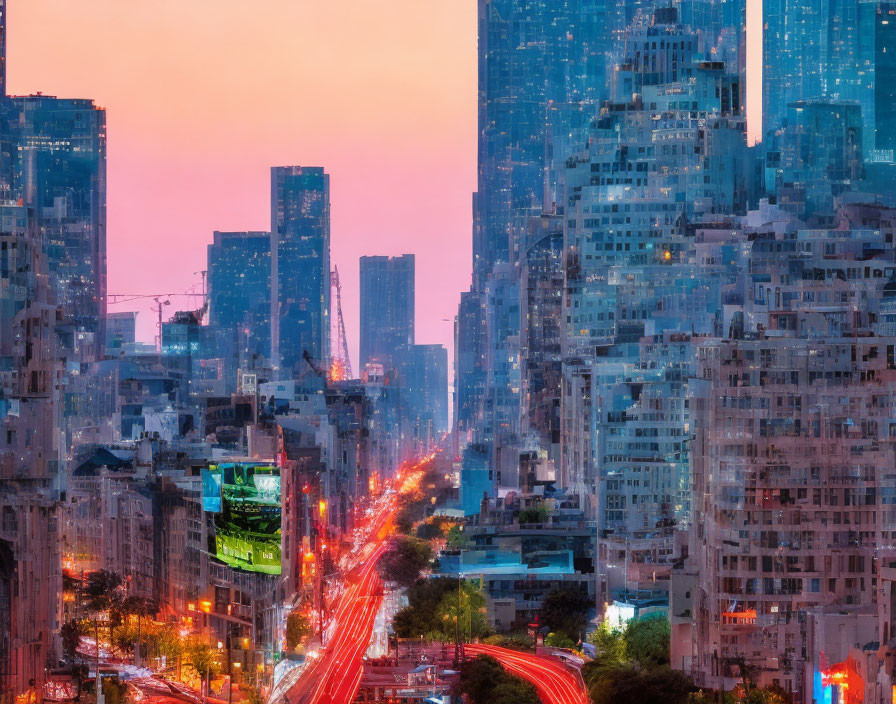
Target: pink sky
x=203 y=96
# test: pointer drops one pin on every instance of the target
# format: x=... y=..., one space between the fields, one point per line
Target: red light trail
x=555 y=683
x=335 y=676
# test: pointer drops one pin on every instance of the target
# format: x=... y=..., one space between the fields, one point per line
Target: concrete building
x=792 y=461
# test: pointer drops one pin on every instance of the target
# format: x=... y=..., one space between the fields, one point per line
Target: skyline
x=164 y=148
x=207 y=162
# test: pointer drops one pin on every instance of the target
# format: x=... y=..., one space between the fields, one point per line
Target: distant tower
x=387 y=308
x=3 y=48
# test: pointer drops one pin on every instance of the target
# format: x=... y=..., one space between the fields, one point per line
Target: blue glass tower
x=239 y=290
x=57 y=169
x=387 y=308
x=300 y=267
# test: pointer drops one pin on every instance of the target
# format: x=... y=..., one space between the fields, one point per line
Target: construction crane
x=341 y=365
x=161 y=300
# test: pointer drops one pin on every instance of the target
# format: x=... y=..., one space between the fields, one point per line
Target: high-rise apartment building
x=793 y=470
x=239 y=292
x=387 y=308
x=300 y=267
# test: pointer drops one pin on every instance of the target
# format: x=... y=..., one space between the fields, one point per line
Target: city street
x=335 y=674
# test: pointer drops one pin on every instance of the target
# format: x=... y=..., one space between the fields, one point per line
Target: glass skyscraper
x=387 y=308
x=55 y=164
x=300 y=267
x=239 y=290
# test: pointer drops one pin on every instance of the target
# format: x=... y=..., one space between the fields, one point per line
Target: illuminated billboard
x=245 y=502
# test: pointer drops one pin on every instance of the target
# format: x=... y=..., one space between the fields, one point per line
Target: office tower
x=31 y=458
x=877 y=57
x=655 y=49
x=121 y=329
x=541 y=333
x=816 y=156
x=500 y=421
x=300 y=268
x=793 y=460
x=531 y=55
x=57 y=169
x=239 y=293
x=387 y=308
x=425 y=387
x=469 y=361
x=810 y=50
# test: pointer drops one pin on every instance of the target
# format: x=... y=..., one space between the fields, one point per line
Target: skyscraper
x=2 y=47
x=877 y=57
x=57 y=168
x=387 y=308
x=810 y=50
x=239 y=290
x=425 y=387
x=532 y=54
x=300 y=267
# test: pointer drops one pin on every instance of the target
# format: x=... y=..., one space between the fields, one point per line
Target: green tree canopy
x=297 y=628
x=485 y=681
x=627 y=684
x=513 y=690
x=559 y=640
x=647 y=641
x=566 y=611
x=404 y=560
x=419 y=618
x=469 y=606
x=478 y=678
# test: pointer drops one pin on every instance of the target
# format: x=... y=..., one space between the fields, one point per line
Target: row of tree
x=126 y=624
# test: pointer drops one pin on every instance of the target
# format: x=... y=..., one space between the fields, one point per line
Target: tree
x=478 y=678
x=467 y=604
x=566 y=611
x=297 y=629
x=514 y=690
x=767 y=695
x=171 y=645
x=456 y=538
x=204 y=659
x=419 y=617
x=647 y=641
x=102 y=594
x=71 y=639
x=485 y=681
x=141 y=607
x=537 y=514
x=627 y=684
x=609 y=644
x=559 y=640
x=404 y=560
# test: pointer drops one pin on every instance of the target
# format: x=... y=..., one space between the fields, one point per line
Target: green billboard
x=247 y=527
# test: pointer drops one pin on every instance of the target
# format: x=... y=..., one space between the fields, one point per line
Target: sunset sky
x=203 y=96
